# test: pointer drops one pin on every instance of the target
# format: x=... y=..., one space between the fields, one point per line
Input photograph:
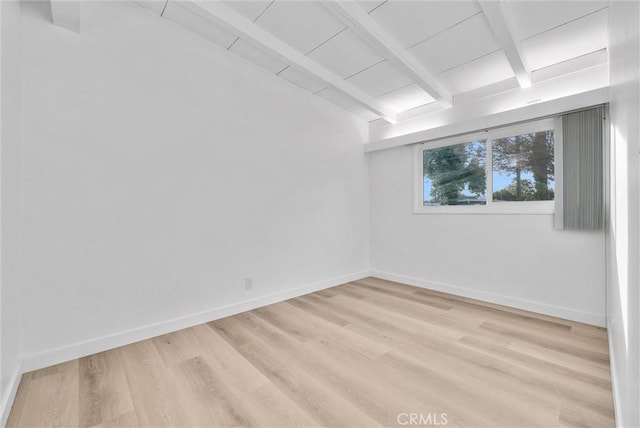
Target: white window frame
x=510 y=207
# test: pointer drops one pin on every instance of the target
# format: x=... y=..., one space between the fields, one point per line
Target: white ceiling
x=381 y=60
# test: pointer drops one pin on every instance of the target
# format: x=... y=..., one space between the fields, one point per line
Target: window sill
x=499 y=208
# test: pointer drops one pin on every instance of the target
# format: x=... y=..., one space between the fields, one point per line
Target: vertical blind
x=582 y=180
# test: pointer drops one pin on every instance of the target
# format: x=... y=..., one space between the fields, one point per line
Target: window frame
x=507 y=207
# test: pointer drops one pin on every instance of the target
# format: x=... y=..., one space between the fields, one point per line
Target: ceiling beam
x=235 y=23
x=156 y=6
x=66 y=14
x=504 y=36
x=361 y=22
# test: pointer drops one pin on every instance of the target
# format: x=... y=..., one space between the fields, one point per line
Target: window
x=509 y=170
x=523 y=167
x=455 y=175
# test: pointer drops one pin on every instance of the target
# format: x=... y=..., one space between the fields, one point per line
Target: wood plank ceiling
x=379 y=59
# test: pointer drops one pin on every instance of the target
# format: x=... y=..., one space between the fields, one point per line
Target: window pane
x=523 y=168
x=455 y=175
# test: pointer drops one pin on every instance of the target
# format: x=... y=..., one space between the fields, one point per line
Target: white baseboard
x=82 y=349
x=514 y=302
x=10 y=396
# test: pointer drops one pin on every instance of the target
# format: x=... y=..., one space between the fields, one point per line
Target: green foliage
x=527 y=153
x=527 y=192
x=451 y=169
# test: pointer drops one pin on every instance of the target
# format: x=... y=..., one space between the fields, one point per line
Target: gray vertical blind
x=583 y=170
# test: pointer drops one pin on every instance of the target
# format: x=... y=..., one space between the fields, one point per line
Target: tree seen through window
x=455 y=175
x=522 y=169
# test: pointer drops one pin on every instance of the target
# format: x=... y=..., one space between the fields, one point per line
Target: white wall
x=160 y=171
x=10 y=137
x=517 y=260
x=623 y=234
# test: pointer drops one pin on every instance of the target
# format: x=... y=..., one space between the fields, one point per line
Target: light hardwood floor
x=367 y=353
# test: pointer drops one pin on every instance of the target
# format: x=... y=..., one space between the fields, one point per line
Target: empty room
x=296 y=213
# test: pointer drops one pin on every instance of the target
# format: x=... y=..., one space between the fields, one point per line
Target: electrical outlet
x=248 y=283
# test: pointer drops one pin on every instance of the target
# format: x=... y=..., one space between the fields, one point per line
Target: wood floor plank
x=318 y=356
x=152 y=388
x=469 y=371
x=420 y=392
x=124 y=420
x=546 y=342
x=468 y=311
x=364 y=354
x=104 y=393
x=296 y=328
x=562 y=358
x=371 y=313
x=351 y=380
x=53 y=399
x=20 y=401
x=314 y=397
x=268 y=405
x=317 y=311
x=430 y=315
x=210 y=402
x=564 y=386
x=325 y=330
x=474 y=307
x=546 y=367
x=412 y=297
x=507 y=408
x=177 y=347
x=572 y=415
x=398 y=337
